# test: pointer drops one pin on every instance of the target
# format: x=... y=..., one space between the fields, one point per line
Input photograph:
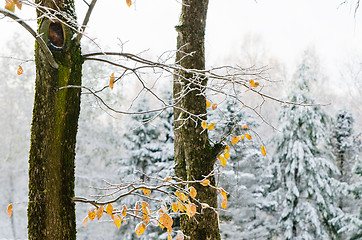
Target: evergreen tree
x=347 y=150
x=166 y=139
x=149 y=142
x=342 y=142
x=302 y=164
x=149 y=149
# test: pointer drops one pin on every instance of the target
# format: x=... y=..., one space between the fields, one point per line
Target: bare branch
x=41 y=42
x=86 y=2
x=357 y=6
x=86 y=20
x=112 y=109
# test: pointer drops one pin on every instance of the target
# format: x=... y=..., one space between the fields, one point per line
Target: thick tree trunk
x=51 y=213
x=194 y=156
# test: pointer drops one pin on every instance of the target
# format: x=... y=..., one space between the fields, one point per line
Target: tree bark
x=51 y=212
x=194 y=156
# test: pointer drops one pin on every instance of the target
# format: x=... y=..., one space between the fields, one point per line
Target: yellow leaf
x=92 y=215
x=223 y=194
x=99 y=213
x=211 y=126
x=245 y=127
x=129 y=2
x=263 y=151
x=166 y=221
x=183 y=197
x=124 y=211
x=193 y=209
x=146 y=191
x=167 y=179
x=140 y=228
x=174 y=207
x=146 y=216
x=10 y=5
x=169 y=236
x=180 y=206
x=145 y=205
x=226 y=155
x=85 y=221
x=117 y=220
x=10 y=209
x=193 y=192
x=204 y=124
x=208 y=104
x=160 y=224
x=253 y=84
x=205 y=182
x=137 y=209
x=248 y=136
x=184 y=207
x=180 y=236
x=188 y=209
x=18 y=4
x=227 y=148
x=20 y=70
x=223 y=161
x=235 y=140
x=224 y=203
x=178 y=193
x=214 y=106
x=109 y=209
x=146 y=212
x=111 y=81
x=224 y=198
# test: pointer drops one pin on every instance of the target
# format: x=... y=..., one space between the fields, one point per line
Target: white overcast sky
x=287 y=27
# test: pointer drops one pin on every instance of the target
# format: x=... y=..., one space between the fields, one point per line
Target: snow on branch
x=220 y=80
x=41 y=42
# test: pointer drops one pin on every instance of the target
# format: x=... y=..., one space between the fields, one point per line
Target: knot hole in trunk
x=56 y=35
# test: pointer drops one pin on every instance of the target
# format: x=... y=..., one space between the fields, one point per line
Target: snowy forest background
x=311 y=176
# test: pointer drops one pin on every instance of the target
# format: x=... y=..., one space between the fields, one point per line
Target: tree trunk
x=194 y=156
x=51 y=212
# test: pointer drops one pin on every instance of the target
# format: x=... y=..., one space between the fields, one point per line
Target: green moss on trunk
x=51 y=213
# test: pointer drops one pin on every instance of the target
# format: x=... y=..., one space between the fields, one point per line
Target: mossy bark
x=194 y=156
x=51 y=212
